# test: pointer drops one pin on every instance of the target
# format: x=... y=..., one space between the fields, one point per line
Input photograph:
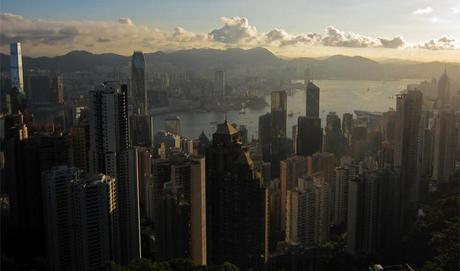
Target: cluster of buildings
x=107 y=188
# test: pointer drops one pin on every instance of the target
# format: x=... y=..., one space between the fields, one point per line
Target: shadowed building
x=110 y=154
x=237 y=203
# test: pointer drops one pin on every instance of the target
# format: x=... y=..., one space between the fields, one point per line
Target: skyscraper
x=444 y=90
x=265 y=136
x=307 y=219
x=80 y=219
x=347 y=127
x=279 y=113
x=27 y=158
x=237 y=203
x=408 y=113
x=290 y=171
x=343 y=175
x=312 y=100
x=334 y=140
x=182 y=203
x=110 y=154
x=309 y=135
x=219 y=84
x=372 y=212
x=141 y=122
x=17 y=77
x=445 y=144
x=307 y=76
x=138 y=91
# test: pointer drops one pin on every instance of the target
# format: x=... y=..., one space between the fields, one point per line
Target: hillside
x=239 y=61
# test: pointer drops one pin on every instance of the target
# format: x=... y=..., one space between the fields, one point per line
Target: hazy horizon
x=381 y=60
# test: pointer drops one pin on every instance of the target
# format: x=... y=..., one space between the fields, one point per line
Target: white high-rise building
x=110 y=154
x=17 y=77
x=307 y=212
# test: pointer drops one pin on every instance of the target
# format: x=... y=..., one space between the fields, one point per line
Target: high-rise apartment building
x=343 y=175
x=110 y=154
x=181 y=202
x=290 y=171
x=81 y=219
x=372 y=215
x=445 y=144
x=407 y=136
x=307 y=218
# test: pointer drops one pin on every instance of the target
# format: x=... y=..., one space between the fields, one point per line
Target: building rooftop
x=226 y=129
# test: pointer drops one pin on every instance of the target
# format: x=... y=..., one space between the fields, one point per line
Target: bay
x=340 y=96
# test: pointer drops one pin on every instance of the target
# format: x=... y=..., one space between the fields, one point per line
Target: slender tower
x=139 y=93
x=17 y=78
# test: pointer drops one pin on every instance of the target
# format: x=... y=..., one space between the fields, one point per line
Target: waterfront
x=340 y=96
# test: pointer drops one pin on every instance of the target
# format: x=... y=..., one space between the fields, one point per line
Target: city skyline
x=221 y=152
x=417 y=30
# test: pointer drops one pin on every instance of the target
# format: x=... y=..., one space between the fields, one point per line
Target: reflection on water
x=341 y=96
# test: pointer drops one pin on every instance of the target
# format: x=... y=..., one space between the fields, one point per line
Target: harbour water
x=340 y=96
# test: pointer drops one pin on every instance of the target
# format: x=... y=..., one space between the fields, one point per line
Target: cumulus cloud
x=337 y=38
x=284 y=39
x=423 y=11
x=396 y=42
x=235 y=30
x=17 y=28
x=444 y=43
x=48 y=37
x=181 y=35
x=61 y=36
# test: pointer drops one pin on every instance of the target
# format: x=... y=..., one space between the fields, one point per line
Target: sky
x=424 y=30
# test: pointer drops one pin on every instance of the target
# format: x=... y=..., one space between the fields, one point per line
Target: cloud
x=51 y=37
x=181 y=35
x=281 y=37
x=337 y=38
x=444 y=43
x=235 y=30
x=397 y=42
x=423 y=11
x=43 y=37
x=436 y=20
x=125 y=20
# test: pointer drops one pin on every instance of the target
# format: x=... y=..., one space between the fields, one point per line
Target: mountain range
x=254 y=61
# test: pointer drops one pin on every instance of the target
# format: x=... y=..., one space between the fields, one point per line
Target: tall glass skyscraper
x=17 y=78
x=139 y=93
